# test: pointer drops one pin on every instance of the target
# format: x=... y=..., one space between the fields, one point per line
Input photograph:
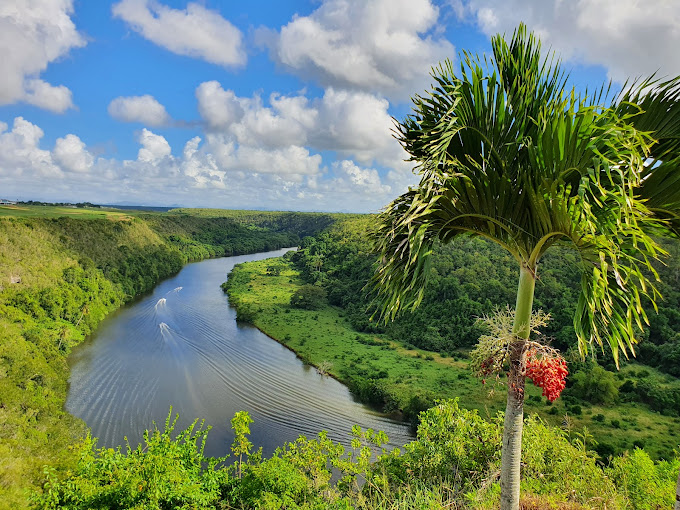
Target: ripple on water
x=184 y=349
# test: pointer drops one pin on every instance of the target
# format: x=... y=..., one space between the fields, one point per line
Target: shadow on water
x=180 y=346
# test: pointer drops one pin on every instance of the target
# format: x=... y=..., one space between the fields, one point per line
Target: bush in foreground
x=453 y=463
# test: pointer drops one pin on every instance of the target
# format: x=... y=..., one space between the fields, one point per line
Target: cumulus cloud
x=20 y=150
x=21 y=154
x=270 y=127
x=215 y=170
x=629 y=38
x=366 y=179
x=32 y=35
x=220 y=151
x=289 y=161
x=43 y=95
x=194 y=32
x=218 y=107
x=384 y=46
x=70 y=153
x=145 y=109
x=154 y=147
x=201 y=168
x=353 y=123
x=357 y=124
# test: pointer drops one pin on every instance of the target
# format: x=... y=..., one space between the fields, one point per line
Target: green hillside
x=407 y=364
x=60 y=276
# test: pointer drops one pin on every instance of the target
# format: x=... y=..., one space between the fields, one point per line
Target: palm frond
x=506 y=152
x=653 y=106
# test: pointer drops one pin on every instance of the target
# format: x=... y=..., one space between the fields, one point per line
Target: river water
x=181 y=347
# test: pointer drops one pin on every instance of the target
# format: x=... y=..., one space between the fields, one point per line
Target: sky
x=277 y=105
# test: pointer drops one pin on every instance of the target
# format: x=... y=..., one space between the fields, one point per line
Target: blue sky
x=263 y=104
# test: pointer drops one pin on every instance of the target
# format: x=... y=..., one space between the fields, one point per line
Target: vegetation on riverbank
x=59 y=277
x=69 y=273
x=379 y=371
x=453 y=463
x=422 y=355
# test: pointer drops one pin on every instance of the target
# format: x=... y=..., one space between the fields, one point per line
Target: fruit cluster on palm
x=505 y=151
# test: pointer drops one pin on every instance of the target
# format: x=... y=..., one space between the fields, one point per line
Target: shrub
x=595 y=385
x=245 y=312
x=566 y=471
x=309 y=297
x=453 y=442
x=576 y=410
x=274 y=270
x=163 y=473
x=646 y=485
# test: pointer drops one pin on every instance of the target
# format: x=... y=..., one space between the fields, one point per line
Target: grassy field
x=51 y=211
x=325 y=339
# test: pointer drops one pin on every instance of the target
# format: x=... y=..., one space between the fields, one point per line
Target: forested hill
x=472 y=277
x=59 y=277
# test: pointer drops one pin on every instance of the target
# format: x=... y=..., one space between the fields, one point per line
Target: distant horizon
x=133 y=206
x=265 y=105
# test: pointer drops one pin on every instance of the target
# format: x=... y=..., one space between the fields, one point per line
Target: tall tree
x=505 y=151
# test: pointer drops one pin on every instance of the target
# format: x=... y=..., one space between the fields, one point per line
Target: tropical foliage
x=388 y=371
x=59 y=277
x=452 y=463
x=506 y=152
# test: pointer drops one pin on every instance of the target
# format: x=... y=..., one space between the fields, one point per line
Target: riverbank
x=396 y=378
x=379 y=372
x=59 y=277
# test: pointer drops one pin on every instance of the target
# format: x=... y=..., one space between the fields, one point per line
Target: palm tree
x=660 y=115
x=655 y=108
x=506 y=152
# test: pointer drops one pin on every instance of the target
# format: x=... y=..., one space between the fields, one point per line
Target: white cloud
x=32 y=35
x=354 y=124
x=218 y=107
x=270 y=127
x=357 y=124
x=289 y=161
x=628 y=37
x=222 y=152
x=194 y=32
x=70 y=153
x=154 y=147
x=216 y=171
x=201 y=168
x=20 y=150
x=366 y=179
x=43 y=95
x=145 y=109
x=346 y=187
x=384 y=46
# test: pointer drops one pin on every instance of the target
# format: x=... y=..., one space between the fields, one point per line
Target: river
x=180 y=346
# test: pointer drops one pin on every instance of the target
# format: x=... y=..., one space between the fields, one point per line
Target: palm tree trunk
x=511 y=454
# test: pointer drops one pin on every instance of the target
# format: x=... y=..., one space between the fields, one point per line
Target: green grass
x=50 y=211
x=325 y=337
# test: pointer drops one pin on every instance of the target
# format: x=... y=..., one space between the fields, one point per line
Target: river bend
x=181 y=346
